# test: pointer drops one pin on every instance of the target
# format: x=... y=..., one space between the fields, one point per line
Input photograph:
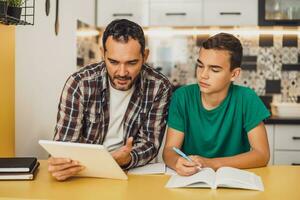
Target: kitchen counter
x=283 y=120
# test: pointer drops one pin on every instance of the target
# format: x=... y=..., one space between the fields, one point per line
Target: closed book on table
x=20 y=175
x=20 y=164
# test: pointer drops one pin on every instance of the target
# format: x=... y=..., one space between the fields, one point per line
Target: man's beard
x=121 y=78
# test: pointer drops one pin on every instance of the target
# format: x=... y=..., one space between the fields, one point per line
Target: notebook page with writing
x=204 y=178
x=236 y=178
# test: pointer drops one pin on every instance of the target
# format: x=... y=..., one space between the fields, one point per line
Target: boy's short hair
x=228 y=42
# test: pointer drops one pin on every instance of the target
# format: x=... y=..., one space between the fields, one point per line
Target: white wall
x=43 y=62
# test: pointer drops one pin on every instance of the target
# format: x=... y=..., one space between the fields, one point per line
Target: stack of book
x=21 y=168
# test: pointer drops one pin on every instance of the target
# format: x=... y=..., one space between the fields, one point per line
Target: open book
x=223 y=177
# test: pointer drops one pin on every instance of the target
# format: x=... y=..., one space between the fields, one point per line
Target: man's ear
x=235 y=73
x=102 y=53
x=146 y=54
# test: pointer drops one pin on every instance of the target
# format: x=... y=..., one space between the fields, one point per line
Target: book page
x=170 y=171
x=156 y=168
x=204 y=178
x=236 y=178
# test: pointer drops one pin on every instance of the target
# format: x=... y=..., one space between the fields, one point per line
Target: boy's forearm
x=251 y=159
x=170 y=158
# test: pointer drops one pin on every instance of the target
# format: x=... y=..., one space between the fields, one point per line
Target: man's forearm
x=142 y=155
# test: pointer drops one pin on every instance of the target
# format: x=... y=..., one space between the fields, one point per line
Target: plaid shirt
x=83 y=111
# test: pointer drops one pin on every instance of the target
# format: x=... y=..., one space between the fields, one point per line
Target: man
x=121 y=103
x=215 y=122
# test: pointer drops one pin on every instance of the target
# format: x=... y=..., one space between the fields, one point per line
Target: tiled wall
x=275 y=68
x=271 y=63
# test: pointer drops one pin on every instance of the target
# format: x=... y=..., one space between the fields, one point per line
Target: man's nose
x=122 y=70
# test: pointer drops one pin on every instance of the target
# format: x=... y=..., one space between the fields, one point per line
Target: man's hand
x=184 y=167
x=63 y=168
x=122 y=155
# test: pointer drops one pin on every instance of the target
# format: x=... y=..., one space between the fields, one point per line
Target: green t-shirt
x=221 y=131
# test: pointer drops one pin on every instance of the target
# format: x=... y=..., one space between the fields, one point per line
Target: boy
x=215 y=122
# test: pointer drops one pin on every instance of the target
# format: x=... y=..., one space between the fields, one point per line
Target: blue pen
x=184 y=156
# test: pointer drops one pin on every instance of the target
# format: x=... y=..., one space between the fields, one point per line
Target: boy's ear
x=235 y=73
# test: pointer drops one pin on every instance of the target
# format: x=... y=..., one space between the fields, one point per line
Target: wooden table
x=281 y=182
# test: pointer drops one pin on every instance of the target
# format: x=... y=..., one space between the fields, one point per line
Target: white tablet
x=97 y=160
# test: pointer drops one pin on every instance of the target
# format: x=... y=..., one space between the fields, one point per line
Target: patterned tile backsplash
x=271 y=63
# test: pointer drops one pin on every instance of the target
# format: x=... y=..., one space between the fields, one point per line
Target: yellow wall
x=7 y=90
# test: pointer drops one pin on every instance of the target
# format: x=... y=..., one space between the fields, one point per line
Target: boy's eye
x=215 y=70
x=199 y=65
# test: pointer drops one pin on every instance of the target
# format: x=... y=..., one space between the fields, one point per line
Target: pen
x=184 y=156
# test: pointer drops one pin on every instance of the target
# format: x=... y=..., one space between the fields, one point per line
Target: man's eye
x=199 y=65
x=132 y=63
x=113 y=62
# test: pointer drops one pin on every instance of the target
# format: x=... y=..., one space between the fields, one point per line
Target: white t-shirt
x=118 y=103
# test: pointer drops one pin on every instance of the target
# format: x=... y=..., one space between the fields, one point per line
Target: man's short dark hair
x=228 y=42
x=123 y=30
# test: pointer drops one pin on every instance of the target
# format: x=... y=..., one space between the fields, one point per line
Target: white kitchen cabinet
x=287 y=144
x=134 y=10
x=270 y=134
x=287 y=157
x=179 y=12
x=287 y=137
x=176 y=13
x=230 y=12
